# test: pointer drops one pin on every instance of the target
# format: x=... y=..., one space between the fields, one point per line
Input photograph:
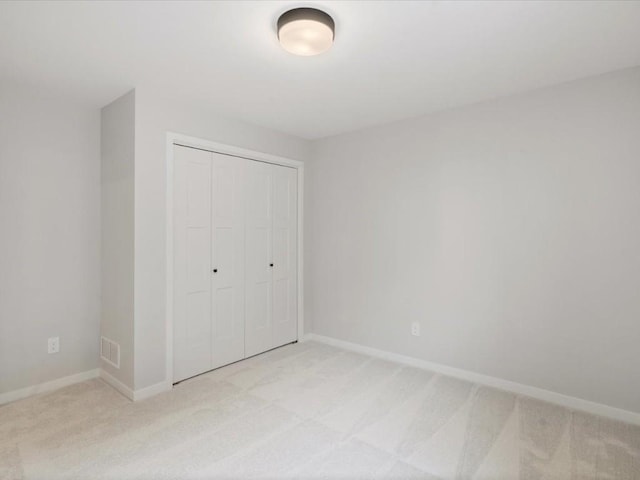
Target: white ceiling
x=391 y=59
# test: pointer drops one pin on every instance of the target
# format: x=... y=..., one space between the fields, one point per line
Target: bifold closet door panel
x=235 y=259
x=258 y=255
x=285 y=255
x=227 y=250
x=192 y=327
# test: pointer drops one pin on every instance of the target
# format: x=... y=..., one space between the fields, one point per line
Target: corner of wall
x=117 y=249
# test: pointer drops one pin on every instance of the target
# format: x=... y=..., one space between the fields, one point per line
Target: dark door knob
x=271 y=264
x=215 y=270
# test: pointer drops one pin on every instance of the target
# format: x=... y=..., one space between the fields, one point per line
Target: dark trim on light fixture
x=307 y=14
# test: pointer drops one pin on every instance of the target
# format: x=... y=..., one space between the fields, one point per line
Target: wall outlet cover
x=415 y=329
x=53 y=345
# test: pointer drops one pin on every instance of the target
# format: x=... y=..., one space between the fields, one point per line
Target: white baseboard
x=150 y=391
x=572 y=403
x=117 y=384
x=134 y=395
x=48 y=386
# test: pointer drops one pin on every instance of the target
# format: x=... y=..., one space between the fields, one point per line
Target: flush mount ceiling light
x=306 y=31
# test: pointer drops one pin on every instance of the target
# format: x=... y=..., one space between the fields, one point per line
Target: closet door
x=271 y=256
x=192 y=263
x=285 y=255
x=235 y=259
x=258 y=255
x=227 y=252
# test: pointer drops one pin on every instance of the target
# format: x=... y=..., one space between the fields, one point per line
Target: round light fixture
x=306 y=31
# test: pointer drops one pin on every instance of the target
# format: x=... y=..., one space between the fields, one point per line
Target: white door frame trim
x=172 y=139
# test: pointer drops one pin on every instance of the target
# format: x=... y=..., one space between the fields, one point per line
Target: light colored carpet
x=310 y=411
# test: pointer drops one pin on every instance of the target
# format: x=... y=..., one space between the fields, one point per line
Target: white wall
x=49 y=237
x=117 y=182
x=509 y=229
x=155 y=116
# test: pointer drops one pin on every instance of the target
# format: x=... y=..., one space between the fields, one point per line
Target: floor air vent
x=110 y=351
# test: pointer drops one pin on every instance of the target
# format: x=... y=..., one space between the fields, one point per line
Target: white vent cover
x=110 y=351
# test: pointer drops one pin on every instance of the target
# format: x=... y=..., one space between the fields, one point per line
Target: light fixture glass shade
x=305 y=31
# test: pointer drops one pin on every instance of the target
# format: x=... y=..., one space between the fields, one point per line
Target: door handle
x=271 y=264
x=215 y=270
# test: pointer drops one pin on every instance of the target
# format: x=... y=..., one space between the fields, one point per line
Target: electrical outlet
x=415 y=329
x=53 y=345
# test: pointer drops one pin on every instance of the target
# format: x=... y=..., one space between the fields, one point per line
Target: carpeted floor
x=310 y=411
